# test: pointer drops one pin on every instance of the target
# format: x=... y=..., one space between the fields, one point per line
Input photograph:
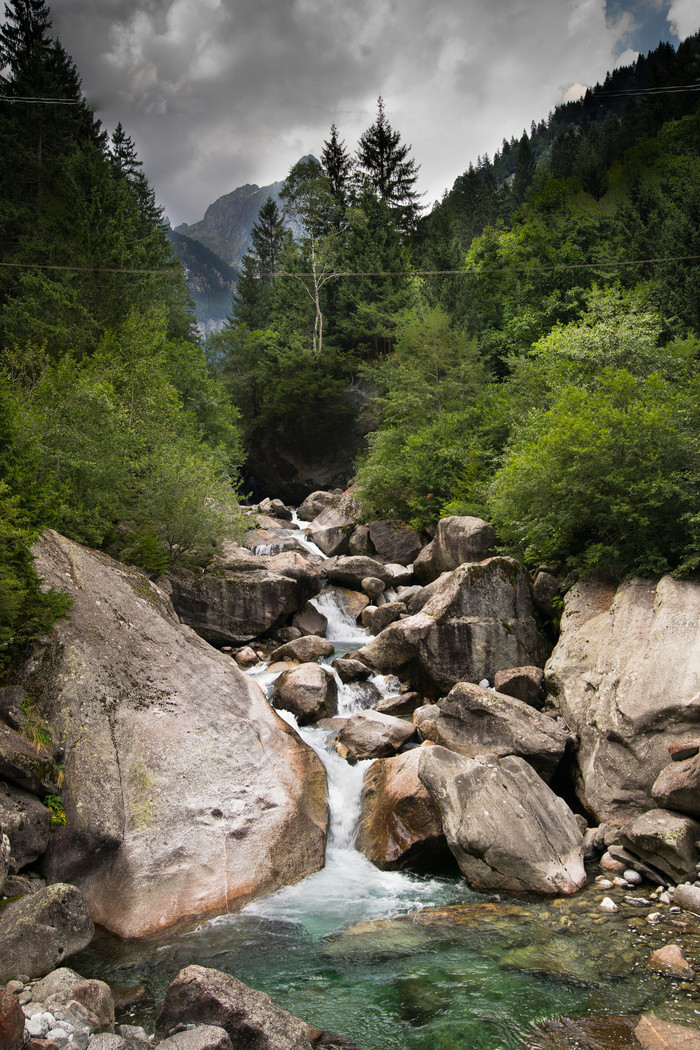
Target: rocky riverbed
x=528 y=735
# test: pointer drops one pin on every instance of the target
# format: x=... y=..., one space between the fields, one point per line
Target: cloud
x=221 y=92
x=684 y=18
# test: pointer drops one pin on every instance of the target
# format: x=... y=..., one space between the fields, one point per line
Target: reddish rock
x=399 y=824
x=678 y=787
x=11 y=1022
x=670 y=961
x=679 y=750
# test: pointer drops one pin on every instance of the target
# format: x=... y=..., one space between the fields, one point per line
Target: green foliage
x=25 y=610
x=605 y=479
x=58 y=814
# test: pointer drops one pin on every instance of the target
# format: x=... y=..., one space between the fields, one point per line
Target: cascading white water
x=302 y=537
x=342 y=627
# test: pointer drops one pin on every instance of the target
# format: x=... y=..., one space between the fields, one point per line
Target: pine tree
x=338 y=166
x=251 y=297
x=524 y=170
x=388 y=170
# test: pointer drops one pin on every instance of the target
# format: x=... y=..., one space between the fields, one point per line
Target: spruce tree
x=387 y=168
x=338 y=166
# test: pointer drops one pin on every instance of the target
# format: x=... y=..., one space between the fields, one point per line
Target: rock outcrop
x=625 y=677
x=246 y=595
x=478 y=620
x=505 y=827
x=185 y=794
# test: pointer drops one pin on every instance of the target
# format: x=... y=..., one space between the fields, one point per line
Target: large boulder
x=245 y=597
x=678 y=787
x=369 y=734
x=27 y=824
x=332 y=528
x=308 y=691
x=304 y=649
x=666 y=840
x=399 y=825
x=478 y=620
x=624 y=673
x=395 y=541
x=39 y=931
x=475 y=721
x=252 y=1019
x=350 y=570
x=316 y=503
x=185 y=794
x=457 y=540
x=505 y=827
x=63 y=988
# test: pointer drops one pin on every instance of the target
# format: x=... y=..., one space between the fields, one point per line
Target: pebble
x=637 y=902
x=605 y=884
x=665 y=897
x=653 y=916
x=608 y=905
x=14 y=986
x=622 y=883
x=632 y=876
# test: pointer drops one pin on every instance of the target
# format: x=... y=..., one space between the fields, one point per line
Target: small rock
x=603 y=883
x=609 y=864
x=670 y=960
x=653 y=916
x=608 y=905
x=246 y=657
x=622 y=883
x=665 y=897
x=632 y=876
x=637 y=902
x=14 y=986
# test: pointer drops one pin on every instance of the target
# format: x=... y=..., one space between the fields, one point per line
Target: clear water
x=396 y=962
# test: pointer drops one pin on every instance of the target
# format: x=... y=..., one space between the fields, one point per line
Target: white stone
x=632 y=876
x=603 y=883
x=653 y=916
x=608 y=905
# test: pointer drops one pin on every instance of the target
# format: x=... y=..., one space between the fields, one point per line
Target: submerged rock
x=251 y=1019
x=185 y=794
x=505 y=827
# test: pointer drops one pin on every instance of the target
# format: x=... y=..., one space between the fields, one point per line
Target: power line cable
x=41 y=101
x=525 y=268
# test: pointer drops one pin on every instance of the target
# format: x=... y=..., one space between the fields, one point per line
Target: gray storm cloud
x=220 y=92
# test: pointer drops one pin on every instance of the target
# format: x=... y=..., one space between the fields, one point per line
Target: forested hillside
x=531 y=343
x=112 y=429
x=527 y=351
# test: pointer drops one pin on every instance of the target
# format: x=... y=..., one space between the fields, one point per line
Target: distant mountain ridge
x=227 y=223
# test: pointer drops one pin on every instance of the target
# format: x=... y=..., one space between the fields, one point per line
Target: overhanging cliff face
x=185 y=794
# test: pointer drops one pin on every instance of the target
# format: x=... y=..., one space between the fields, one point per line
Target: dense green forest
x=532 y=343
x=112 y=428
x=530 y=346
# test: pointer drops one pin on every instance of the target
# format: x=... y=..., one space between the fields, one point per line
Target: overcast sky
x=217 y=93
